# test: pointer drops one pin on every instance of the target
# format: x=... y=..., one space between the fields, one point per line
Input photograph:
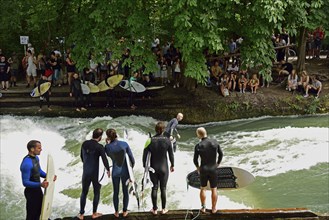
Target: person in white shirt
x=31 y=69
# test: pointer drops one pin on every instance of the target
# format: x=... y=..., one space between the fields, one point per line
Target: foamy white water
x=276 y=151
x=264 y=153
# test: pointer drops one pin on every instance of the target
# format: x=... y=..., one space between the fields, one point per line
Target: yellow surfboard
x=112 y=81
x=44 y=87
x=93 y=88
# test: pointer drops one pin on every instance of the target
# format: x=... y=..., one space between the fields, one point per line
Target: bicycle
x=292 y=55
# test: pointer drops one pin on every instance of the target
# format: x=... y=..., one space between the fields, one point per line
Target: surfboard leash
x=103 y=174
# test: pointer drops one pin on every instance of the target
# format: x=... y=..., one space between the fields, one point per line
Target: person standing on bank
x=171 y=128
x=91 y=150
x=117 y=151
x=76 y=91
x=46 y=95
x=209 y=151
x=31 y=173
x=159 y=145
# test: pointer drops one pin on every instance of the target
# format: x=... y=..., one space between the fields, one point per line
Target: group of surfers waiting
x=159 y=146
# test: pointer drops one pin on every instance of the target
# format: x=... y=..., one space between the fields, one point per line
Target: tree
x=97 y=26
x=304 y=16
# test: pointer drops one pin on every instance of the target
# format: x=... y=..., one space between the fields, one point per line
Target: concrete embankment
x=255 y=214
x=199 y=106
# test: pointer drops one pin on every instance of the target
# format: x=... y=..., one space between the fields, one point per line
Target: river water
x=289 y=156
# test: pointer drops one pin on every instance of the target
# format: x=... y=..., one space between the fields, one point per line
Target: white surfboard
x=146 y=181
x=228 y=178
x=154 y=87
x=131 y=173
x=132 y=86
x=85 y=89
x=103 y=179
x=49 y=191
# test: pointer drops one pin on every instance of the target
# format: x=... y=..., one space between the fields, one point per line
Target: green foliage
x=234 y=106
x=313 y=106
x=96 y=26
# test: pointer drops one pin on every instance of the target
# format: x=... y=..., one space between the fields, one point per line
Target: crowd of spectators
x=225 y=72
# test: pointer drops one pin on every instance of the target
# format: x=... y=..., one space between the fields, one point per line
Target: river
x=289 y=156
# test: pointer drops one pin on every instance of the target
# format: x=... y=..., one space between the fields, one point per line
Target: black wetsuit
x=110 y=94
x=91 y=150
x=45 y=95
x=209 y=151
x=171 y=127
x=159 y=146
x=31 y=173
x=76 y=90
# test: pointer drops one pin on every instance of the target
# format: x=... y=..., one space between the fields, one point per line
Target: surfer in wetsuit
x=110 y=93
x=159 y=145
x=132 y=92
x=91 y=150
x=76 y=91
x=208 y=150
x=31 y=173
x=117 y=150
x=42 y=80
x=171 y=128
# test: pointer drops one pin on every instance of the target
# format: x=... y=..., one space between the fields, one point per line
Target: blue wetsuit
x=31 y=173
x=159 y=146
x=117 y=150
x=91 y=150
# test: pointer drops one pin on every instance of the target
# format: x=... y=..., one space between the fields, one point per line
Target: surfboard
x=132 y=86
x=228 y=178
x=112 y=81
x=92 y=87
x=146 y=181
x=44 y=87
x=49 y=191
x=131 y=173
x=102 y=175
x=154 y=87
x=131 y=177
x=85 y=89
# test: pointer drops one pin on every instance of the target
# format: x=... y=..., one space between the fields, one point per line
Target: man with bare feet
x=91 y=150
x=208 y=150
x=159 y=146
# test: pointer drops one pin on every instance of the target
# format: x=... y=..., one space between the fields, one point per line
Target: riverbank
x=200 y=105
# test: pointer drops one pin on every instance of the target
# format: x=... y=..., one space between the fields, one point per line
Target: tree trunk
x=190 y=83
x=301 y=49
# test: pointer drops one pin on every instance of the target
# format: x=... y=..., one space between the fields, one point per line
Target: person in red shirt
x=318 y=36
